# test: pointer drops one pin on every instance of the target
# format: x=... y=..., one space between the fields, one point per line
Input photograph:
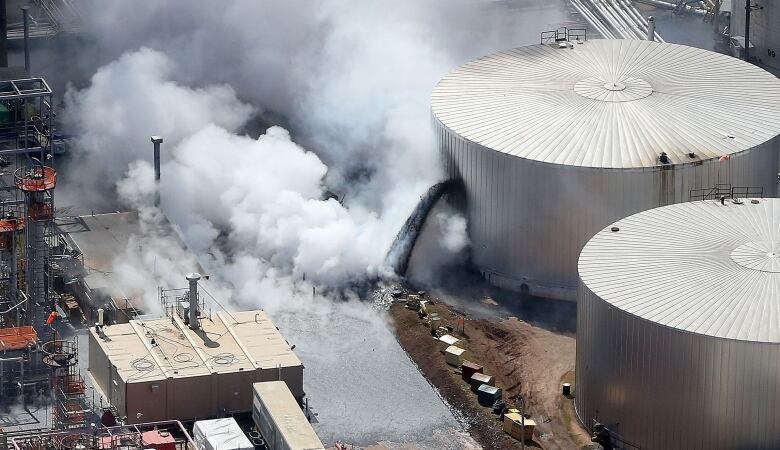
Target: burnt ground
x=523 y=358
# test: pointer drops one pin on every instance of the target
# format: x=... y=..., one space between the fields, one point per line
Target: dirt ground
x=523 y=358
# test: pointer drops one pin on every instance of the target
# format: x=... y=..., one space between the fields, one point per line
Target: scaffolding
x=69 y=409
x=26 y=233
x=37 y=183
x=10 y=302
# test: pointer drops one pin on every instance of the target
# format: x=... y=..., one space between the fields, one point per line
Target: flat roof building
x=97 y=242
x=163 y=369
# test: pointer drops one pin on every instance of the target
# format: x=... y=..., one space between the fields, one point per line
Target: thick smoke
x=350 y=82
x=453 y=231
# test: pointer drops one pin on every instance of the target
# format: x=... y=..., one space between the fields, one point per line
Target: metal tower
x=70 y=405
x=37 y=184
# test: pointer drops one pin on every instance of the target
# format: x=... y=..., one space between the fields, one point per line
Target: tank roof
x=700 y=267
x=610 y=103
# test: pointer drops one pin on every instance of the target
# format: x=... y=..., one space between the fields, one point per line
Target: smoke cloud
x=349 y=82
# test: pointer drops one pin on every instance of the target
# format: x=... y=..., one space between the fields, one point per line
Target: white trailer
x=280 y=420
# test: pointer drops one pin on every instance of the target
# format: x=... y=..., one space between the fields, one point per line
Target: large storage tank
x=553 y=143
x=678 y=336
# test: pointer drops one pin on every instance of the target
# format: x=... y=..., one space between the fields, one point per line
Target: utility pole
x=26 y=24
x=521 y=404
x=3 y=35
x=749 y=8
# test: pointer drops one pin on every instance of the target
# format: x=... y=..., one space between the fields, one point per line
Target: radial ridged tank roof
x=700 y=267
x=610 y=103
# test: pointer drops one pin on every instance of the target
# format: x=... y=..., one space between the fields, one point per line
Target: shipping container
x=478 y=379
x=467 y=369
x=455 y=355
x=446 y=341
x=513 y=426
x=487 y=395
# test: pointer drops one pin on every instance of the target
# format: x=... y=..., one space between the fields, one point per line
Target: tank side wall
x=528 y=220
x=661 y=388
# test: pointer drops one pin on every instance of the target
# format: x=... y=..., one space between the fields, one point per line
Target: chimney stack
x=193 y=313
x=651 y=28
x=157 y=140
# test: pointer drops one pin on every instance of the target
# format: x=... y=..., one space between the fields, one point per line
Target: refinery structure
x=633 y=177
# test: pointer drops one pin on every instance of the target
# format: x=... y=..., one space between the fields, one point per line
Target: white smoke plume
x=453 y=231
x=351 y=82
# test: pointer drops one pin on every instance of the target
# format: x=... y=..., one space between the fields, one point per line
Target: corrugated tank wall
x=529 y=220
x=662 y=388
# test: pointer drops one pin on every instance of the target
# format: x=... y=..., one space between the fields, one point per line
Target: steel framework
x=70 y=411
x=128 y=437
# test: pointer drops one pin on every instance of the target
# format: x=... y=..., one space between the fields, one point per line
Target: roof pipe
x=193 y=297
x=651 y=28
x=157 y=140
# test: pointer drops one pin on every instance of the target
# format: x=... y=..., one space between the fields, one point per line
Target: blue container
x=487 y=394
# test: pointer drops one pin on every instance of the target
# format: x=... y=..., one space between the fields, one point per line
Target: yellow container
x=455 y=355
x=447 y=340
x=513 y=426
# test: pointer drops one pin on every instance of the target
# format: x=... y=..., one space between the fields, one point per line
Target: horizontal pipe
x=667 y=5
x=613 y=18
x=592 y=19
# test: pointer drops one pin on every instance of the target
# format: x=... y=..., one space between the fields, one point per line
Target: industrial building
x=192 y=364
x=677 y=337
x=553 y=142
x=93 y=244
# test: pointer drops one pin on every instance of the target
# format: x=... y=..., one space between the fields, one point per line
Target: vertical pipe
x=193 y=313
x=13 y=284
x=3 y=35
x=716 y=17
x=651 y=28
x=26 y=16
x=747 y=30
x=157 y=140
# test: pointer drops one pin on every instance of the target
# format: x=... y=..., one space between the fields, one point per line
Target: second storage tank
x=678 y=343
